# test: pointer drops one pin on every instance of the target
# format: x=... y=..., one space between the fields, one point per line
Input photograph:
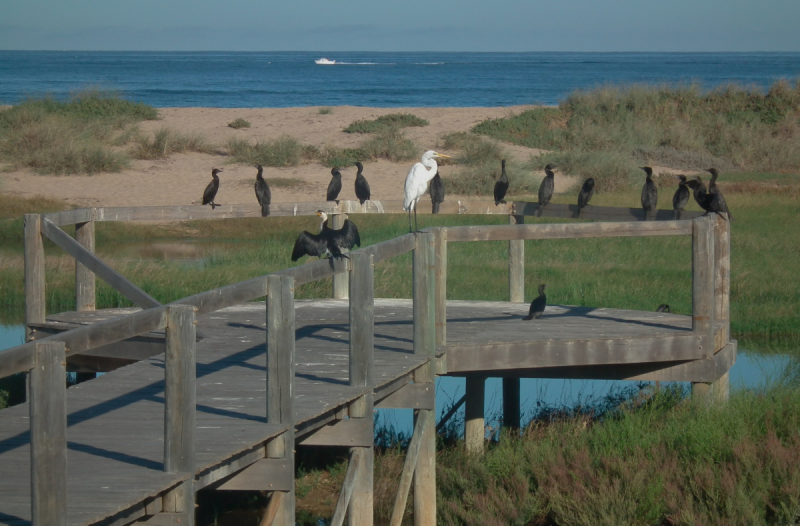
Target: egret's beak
x=443 y=155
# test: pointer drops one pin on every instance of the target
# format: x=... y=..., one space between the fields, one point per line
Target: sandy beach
x=181 y=178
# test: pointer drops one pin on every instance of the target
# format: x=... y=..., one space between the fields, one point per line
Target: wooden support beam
x=35 y=300
x=717 y=392
x=511 y=403
x=440 y=275
x=180 y=406
x=411 y=396
x=340 y=281
x=406 y=476
x=280 y=379
x=722 y=280
x=703 y=278
x=350 y=478
x=48 y=417
x=85 y=282
x=275 y=505
x=424 y=295
x=568 y=230
x=267 y=474
x=474 y=425
x=516 y=264
x=116 y=280
x=597 y=213
x=352 y=432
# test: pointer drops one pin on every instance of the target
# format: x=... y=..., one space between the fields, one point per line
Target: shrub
x=390 y=144
x=392 y=120
x=166 y=141
x=325 y=110
x=283 y=151
x=239 y=123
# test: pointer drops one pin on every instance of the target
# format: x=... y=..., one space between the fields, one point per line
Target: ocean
x=288 y=79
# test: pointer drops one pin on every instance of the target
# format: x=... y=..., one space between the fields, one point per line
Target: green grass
x=392 y=120
x=607 y=132
x=325 y=110
x=283 y=151
x=79 y=136
x=165 y=142
x=239 y=123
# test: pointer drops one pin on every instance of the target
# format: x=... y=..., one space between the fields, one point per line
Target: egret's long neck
x=432 y=167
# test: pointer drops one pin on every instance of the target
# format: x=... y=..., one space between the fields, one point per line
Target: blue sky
x=408 y=25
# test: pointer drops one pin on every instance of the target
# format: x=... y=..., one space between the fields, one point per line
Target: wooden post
x=340 y=286
x=179 y=407
x=474 y=426
x=440 y=248
x=85 y=281
x=516 y=264
x=280 y=379
x=34 y=274
x=362 y=333
x=425 y=344
x=722 y=277
x=511 y=407
x=703 y=282
x=48 y=418
x=713 y=393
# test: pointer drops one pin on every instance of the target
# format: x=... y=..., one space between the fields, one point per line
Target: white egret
x=417 y=182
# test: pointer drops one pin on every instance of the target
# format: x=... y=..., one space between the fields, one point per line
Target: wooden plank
x=116 y=280
x=425 y=470
x=268 y=474
x=347 y=488
x=424 y=295
x=516 y=264
x=352 y=432
x=511 y=403
x=362 y=319
x=48 y=417
x=568 y=230
x=84 y=278
x=392 y=248
x=474 y=425
x=274 y=506
x=722 y=280
x=180 y=405
x=70 y=217
x=406 y=476
x=411 y=396
x=34 y=274
x=703 y=277
x=440 y=279
x=572 y=352
x=340 y=284
x=597 y=213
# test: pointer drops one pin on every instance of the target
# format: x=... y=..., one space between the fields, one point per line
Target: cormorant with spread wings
x=328 y=242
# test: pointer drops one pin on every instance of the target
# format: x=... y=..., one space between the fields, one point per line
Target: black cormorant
x=712 y=188
x=437 y=192
x=501 y=186
x=707 y=201
x=538 y=304
x=649 y=194
x=335 y=186
x=362 y=186
x=328 y=242
x=680 y=198
x=546 y=188
x=585 y=195
x=663 y=308
x=263 y=193
x=211 y=190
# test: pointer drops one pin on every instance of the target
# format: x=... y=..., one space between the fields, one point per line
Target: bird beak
x=442 y=155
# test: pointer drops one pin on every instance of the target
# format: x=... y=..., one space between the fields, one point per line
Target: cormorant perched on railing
x=663 y=308
x=712 y=188
x=437 y=192
x=211 y=190
x=546 y=188
x=707 y=201
x=335 y=186
x=538 y=304
x=585 y=195
x=362 y=186
x=649 y=194
x=501 y=186
x=328 y=242
x=417 y=182
x=263 y=193
x=680 y=198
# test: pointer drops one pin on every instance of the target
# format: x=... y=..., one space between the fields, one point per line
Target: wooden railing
x=45 y=357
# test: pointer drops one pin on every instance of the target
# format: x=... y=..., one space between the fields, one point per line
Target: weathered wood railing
x=45 y=357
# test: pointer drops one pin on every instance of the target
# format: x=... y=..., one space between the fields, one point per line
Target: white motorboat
x=324 y=60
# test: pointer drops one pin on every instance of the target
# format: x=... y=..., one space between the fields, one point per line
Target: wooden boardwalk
x=216 y=390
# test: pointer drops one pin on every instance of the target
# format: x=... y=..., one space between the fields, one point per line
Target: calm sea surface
x=230 y=80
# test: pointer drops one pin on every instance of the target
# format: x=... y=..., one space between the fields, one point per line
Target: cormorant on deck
x=437 y=192
x=263 y=193
x=680 y=198
x=501 y=186
x=585 y=195
x=211 y=190
x=538 y=304
x=663 y=308
x=546 y=188
x=649 y=193
x=714 y=189
x=707 y=201
x=335 y=186
x=362 y=186
x=328 y=242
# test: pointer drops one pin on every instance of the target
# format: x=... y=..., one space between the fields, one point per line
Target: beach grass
x=166 y=141
x=239 y=123
x=392 y=120
x=325 y=110
x=78 y=136
x=283 y=151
